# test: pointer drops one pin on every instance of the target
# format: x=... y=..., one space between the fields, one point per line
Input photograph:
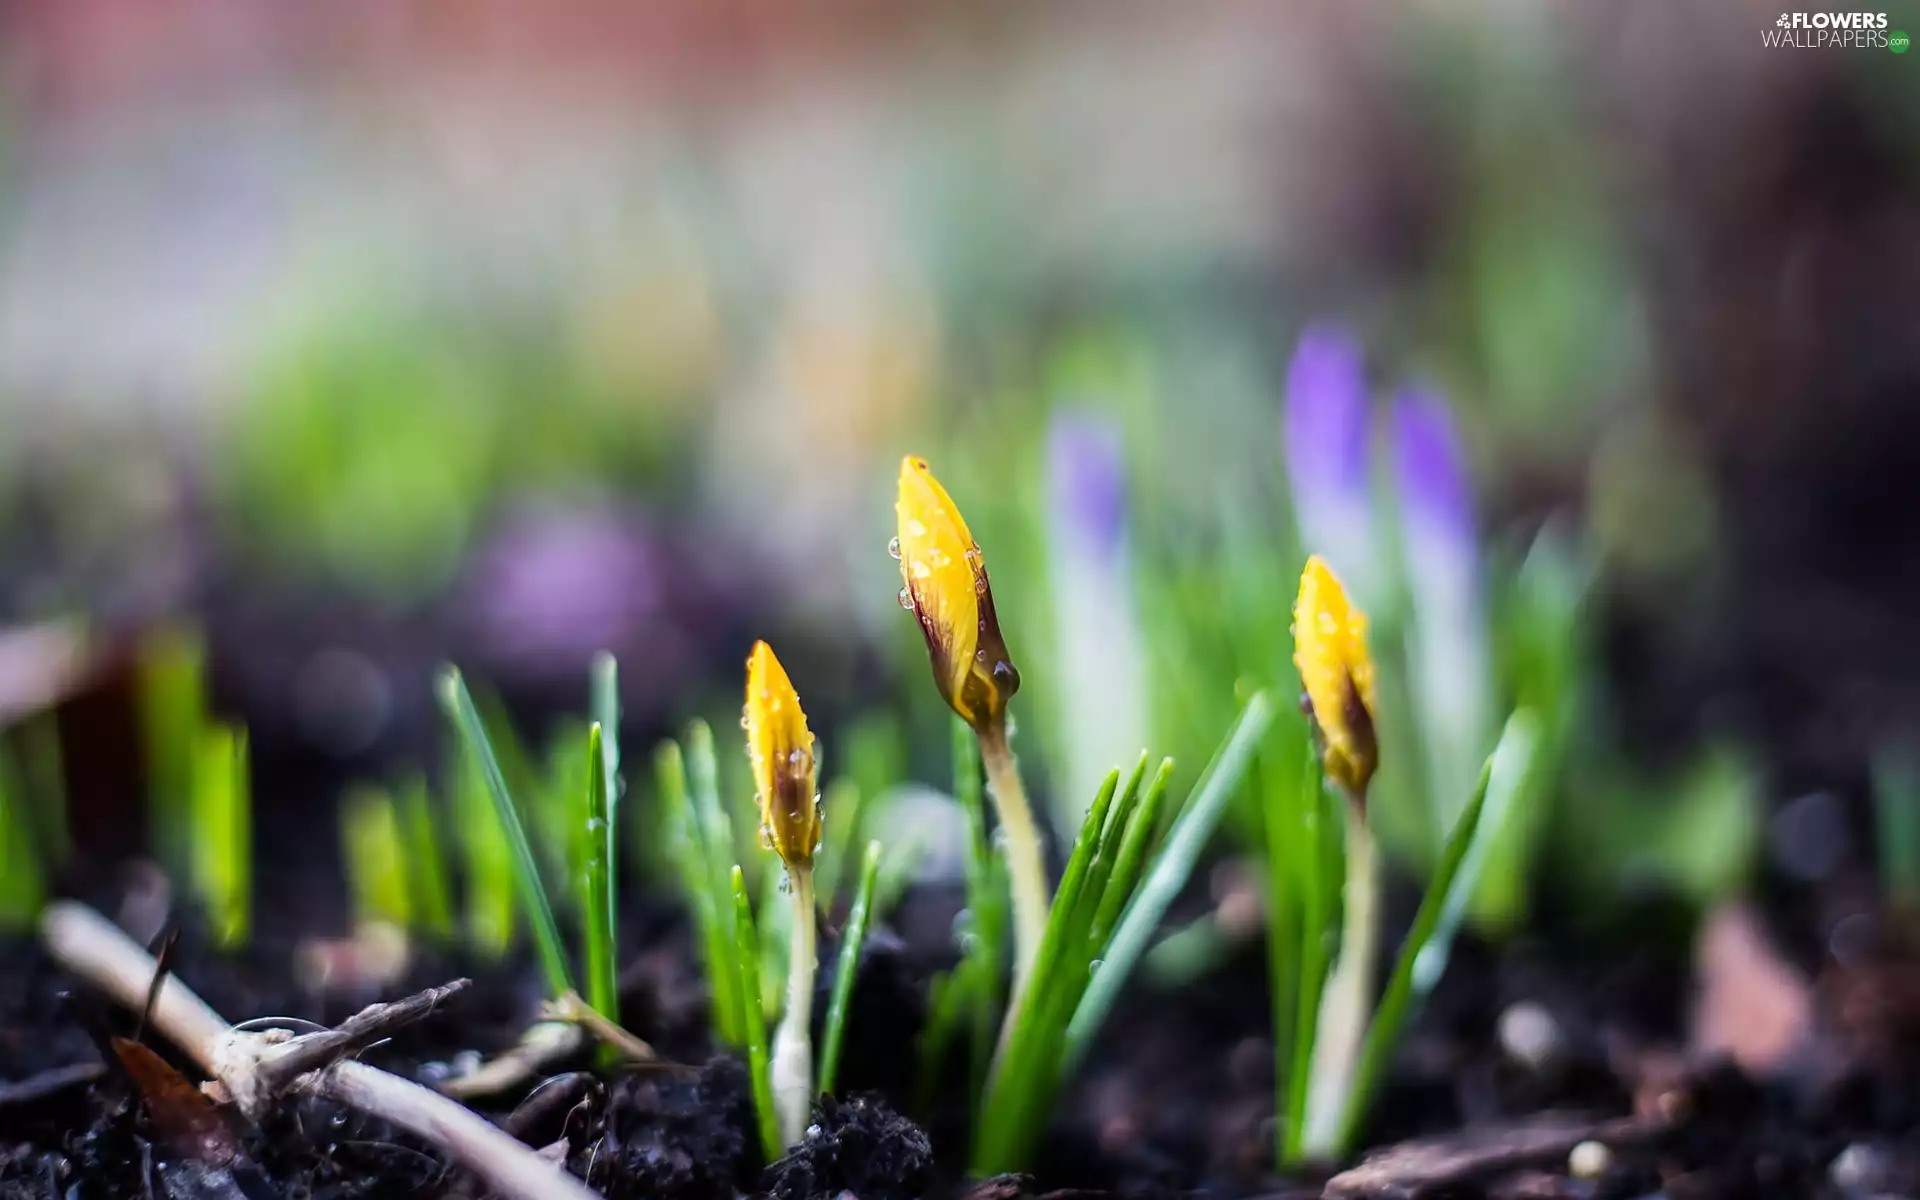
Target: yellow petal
x=781 y=750
x=1330 y=649
x=947 y=588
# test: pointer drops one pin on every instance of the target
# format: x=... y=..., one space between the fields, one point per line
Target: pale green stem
x=1349 y=995
x=793 y=1042
x=1026 y=868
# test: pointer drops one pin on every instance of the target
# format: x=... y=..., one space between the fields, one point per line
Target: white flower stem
x=1026 y=868
x=792 y=1067
x=1345 y=1004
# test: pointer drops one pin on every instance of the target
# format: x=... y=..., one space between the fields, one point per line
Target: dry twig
x=93 y=948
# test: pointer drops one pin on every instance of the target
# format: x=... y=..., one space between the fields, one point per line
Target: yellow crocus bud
x=781 y=750
x=1330 y=649
x=947 y=589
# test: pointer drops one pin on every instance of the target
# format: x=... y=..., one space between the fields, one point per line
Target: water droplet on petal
x=766 y=837
x=905 y=598
x=893 y=548
x=1093 y=968
x=921 y=570
x=915 y=529
x=938 y=557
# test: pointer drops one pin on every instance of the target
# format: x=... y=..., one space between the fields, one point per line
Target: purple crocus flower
x=1328 y=431
x=1102 y=656
x=1452 y=675
x=1436 y=505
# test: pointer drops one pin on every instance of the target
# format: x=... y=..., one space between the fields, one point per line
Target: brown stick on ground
x=93 y=948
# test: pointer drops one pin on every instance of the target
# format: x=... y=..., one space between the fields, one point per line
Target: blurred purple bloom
x=1435 y=497
x=1450 y=659
x=1101 y=654
x=1327 y=435
x=1086 y=481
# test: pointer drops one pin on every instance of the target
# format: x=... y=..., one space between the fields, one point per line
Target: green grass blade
x=22 y=881
x=376 y=865
x=222 y=825
x=1167 y=874
x=596 y=901
x=432 y=892
x=486 y=857
x=1078 y=944
x=458 y=704
x=1130 y=858
x=713 y=924
x=848 y=966
x=1303 y=842
x=1015 y=1095
x=1896 y=810
x=43 y=772
x=746 y=957
x=604 y=711
x=173 y=709
x=1383 y=1031
x=1511 y=764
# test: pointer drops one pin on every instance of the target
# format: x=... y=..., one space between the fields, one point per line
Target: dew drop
x=1093 y=968
x=938 y=557
x=1005 y=675
x=915 y=529
x=974 y=556
x=893 y=549
x=796 y=758
x=921 y=570
x=1328 y=626
x=980 y=655
x=766 y=837
x=746 y=719
x=905 y=598
x=979 y=585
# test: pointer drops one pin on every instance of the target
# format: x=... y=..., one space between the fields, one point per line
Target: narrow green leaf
x=712 y=922
x=486 y=856
x=1303 y=841
x=375 y=859
x=1130 y=858
x=1167 y=875
x=596 y=900
x=746 y=957
x=1016 y=1091
x=432 y=892
x=173 y=708
x=848 y=967
x=1383 y=1032
x=43 y=772
x=22 y=881
x=458 y=705
x=222 y=847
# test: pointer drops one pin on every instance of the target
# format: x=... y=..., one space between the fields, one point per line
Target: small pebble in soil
x=1859 y=1169
x=1529 y=1035
x=1589 y=1160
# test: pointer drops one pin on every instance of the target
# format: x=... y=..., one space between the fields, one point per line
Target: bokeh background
x=371 y=335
